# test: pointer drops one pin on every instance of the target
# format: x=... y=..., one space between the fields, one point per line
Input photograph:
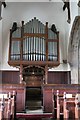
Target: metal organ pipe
x=34 y=49
x=28 y=47
x=35 y=46
x=41 y=45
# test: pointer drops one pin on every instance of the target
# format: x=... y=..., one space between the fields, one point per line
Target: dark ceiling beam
x=67 y=6
x=4 y=4
x=79 y=3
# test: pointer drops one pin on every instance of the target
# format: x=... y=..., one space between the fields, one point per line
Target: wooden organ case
x=33 y=44
x=33 y=49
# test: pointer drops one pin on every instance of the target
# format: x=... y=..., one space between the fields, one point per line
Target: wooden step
x=33 y=107
x=34 y=116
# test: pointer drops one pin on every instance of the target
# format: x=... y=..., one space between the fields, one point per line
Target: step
x=33 y=107
x=33 y=103
x=36 y=111
x=39 y=115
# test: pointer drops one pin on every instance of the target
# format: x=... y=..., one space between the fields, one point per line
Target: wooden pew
x=7 y=106
x=49 y=93
x=1 y=108
x=13 y=106
x=66 y=106
x=20 y=90
x=59 y=99
x=71 y=105
x=57 y=104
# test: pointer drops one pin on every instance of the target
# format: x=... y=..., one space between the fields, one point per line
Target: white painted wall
x=50 y=12
x=1 y=39
x=0 y=44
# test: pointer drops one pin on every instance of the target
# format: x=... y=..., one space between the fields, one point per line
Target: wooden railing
x=8 y=106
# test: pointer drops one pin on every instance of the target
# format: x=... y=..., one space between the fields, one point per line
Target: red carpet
x=43 y=116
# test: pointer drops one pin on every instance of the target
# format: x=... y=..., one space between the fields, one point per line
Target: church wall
x=16 y=12
x=1 y=44
x=0 y=51
x=79 y=10
x=48 y=11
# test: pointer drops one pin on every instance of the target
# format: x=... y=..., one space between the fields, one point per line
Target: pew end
x=66 y=105
x=8 y=106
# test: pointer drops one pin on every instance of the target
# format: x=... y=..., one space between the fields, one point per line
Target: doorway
x=33 y=77
x=34 y=99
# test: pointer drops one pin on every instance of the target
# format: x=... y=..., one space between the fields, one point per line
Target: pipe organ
x=34 y=41
x=33 y=44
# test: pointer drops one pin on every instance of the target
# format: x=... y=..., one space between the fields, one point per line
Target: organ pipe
x=34 y=47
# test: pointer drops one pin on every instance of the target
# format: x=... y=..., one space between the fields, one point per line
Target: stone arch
x=74 y=51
